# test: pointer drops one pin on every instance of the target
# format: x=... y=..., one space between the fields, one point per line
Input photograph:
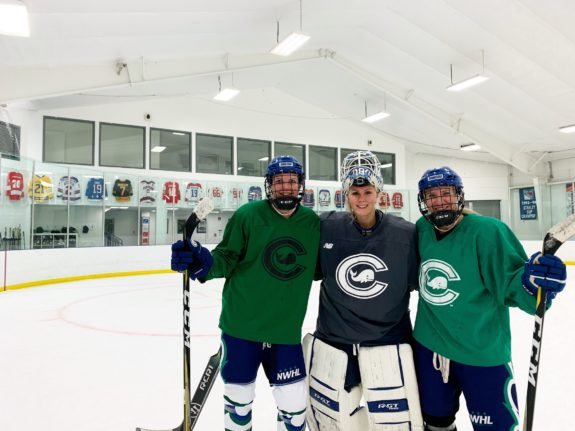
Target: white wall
x=26 y=266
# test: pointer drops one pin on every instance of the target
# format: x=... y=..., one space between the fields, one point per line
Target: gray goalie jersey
x=367 y=280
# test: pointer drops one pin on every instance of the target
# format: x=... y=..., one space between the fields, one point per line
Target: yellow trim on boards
x=86 y=277
x=110 y=275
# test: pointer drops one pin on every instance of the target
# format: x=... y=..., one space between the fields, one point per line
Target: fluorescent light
x=240 y=168
x=14 y=19
x=226 y=94
x=178 y=133
x=387 y=165
x=158 y=149
x=263 y=159
x=375 y=117
x=470 y=147
x=468 y=82
x=567 y=129
x=115 y=208
x=290 y=44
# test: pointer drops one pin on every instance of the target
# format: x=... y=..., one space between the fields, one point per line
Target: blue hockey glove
x=191 y=256
x=545 y=271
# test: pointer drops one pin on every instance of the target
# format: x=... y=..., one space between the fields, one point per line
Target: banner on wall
x=527 y=203
x=570 y=198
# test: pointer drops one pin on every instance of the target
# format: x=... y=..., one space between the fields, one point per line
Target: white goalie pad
x=390 y=388
x=330 y=407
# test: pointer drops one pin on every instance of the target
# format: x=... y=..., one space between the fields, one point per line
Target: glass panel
x=286 y=149
x=253 y=157
x=488 y=208
x=323 y=163
x=15 y=207
x=121 y=212
x=121 y=146
x=68 y=141
x=214 y=154
x=170 y=150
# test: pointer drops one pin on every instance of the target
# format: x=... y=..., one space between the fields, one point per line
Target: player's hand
x=191 y=256
x=545 y=271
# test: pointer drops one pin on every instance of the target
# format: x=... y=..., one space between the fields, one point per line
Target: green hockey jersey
x=268 y=262
x=467 y=282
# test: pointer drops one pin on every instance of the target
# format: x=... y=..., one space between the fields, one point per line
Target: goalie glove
x=545 y=271
x=191 y=256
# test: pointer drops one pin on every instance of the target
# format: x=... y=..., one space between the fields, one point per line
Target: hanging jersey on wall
x=122 y=190
x=217 y=195
x=15 y=186
x=255 y=193
x=193 y=192
x=171 y=192
x=308 y=198
x=40 y=188
x=147 y=192
x=96 y=190
x=69 y=189
x=384 y=200
x=324 y=198
x=236 y=195
x=339 y=199
x=397 y=200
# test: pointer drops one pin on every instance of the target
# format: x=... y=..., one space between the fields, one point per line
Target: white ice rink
x=106 y=355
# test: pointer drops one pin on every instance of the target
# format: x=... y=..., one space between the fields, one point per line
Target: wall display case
x=54 y=240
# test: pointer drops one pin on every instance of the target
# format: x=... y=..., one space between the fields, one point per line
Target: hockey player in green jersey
x=267 y=256
x=472 y=270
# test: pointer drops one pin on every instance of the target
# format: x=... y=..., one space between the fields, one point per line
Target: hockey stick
x=556 y=236
x=204 y=207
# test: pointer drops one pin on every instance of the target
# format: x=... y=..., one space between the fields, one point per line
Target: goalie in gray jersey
x=360 y=364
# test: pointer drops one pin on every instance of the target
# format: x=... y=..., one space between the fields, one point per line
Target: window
x=170 y=150
x=68 y=141
x=9 y=141
x=214 y=154
x=322 y=163
x=122 y=146
x=387 y=161
x=285 y=149
x=253 y=157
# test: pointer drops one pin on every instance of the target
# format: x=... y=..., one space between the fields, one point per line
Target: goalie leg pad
x=390 y=388
x=331 y=407
x=291 y=401
x=238 y=401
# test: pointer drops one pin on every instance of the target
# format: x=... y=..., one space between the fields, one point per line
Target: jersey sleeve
x=501 y=259
x=230 y=249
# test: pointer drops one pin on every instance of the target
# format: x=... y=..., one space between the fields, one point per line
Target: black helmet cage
x=442 y=218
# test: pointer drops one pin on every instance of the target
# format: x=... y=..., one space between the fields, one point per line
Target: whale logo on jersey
x=358 y=276
x=434 y=278
x=280 y=258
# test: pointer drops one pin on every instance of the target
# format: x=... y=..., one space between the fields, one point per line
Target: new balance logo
x=285 y=375
x=328 y=245
x=481 y=419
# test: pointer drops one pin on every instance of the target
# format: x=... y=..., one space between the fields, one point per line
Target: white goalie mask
x=361 y=168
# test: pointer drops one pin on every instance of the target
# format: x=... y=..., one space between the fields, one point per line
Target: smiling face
x=442 y=198
x=362 y=201
x=285 y=184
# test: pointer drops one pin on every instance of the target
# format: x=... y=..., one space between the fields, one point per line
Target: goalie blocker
x=389 y=388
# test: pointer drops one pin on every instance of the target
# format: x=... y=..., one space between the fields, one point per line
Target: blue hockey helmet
x=441 y=216
x=284 y=165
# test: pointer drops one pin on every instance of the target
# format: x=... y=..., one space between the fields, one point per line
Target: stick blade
x=179 y=428
x=558 y=234
x=204 y=207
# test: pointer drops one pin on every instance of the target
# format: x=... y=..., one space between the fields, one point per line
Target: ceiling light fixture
x=157 y=149
x=470 y=147
x=374 y=117
x=293 y=41
x=14 y=18
x=567 y=129
x=387 y=165
x=468 y=82
x=226 y=94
